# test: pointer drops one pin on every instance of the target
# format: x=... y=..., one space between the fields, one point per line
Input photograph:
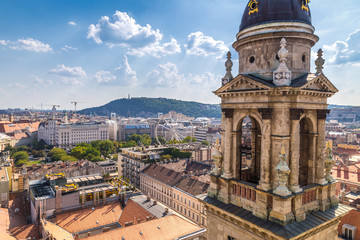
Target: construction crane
x=75 y=104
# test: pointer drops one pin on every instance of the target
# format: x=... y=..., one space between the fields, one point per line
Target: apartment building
x=133 y=160
x=176 y=190
x=66 y=136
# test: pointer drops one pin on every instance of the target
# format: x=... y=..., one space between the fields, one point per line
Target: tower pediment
x=241 y=83
x=319 y=83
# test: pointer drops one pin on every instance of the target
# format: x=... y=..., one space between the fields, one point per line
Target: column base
x=227 y=175
x=264 y=186
x=295 y=188
x=322 y=181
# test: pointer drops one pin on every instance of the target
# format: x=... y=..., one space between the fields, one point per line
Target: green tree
x=165 y=157
x=135 y=137
x=173 y=141
x=96 y=144
x=106 y=147
x=146 y=140
x=193 y=139
x=161 y=140
x=20 y=158
x=187 y=139
x=205 y=143
x=78 y=152
x=56 y=153
x=67 y=158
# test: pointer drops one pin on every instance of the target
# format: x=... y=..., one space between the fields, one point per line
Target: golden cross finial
x=328 y=145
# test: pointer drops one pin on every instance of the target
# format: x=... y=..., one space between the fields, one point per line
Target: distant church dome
x=268 y=11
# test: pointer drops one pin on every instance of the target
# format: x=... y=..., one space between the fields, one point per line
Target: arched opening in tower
x=249 y=149
x=306 y=155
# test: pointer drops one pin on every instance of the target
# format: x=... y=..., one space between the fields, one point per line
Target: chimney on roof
x=343 y=194
x=138 y=221
x=166 y=211
x=155 y=202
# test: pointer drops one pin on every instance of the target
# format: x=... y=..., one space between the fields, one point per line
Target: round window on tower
x=303 y=58
x=252 y=59
x=277 y=57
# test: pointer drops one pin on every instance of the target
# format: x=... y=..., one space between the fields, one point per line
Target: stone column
x=320 y=166
x=280 y=136
x=312 y=158
x=265 y=149
x=236 y=154
x=227 y=171
x=295 y=115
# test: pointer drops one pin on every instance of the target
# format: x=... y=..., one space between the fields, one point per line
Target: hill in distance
x=150 y=107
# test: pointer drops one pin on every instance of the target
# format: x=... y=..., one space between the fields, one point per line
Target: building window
x=230 y=238
x=348 y=231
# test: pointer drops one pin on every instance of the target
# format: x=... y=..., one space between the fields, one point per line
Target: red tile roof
x=133 y=212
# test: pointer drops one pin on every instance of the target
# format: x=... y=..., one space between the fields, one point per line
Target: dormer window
x=348 y=231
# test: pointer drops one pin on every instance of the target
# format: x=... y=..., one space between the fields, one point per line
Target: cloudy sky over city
x=58 y=51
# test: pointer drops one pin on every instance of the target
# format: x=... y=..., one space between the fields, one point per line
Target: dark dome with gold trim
x=267 y=11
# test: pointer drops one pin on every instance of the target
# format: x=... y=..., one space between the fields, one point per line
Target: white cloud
x=104 y=77
x=165 y=76
x=201 y=45
x=168 y=76
x=42 y=82
x=17 y=85
x=69 y=75
x=343 y=52
x=72 y=23
x=126 y=75
x=68 y=48
x=29 y=44
x=122 y=30
x=157 y=49
x=207 y=80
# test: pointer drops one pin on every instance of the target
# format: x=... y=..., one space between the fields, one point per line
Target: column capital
x=229 y=112
x=322 y=113
x=295 y=113
x=265 y=112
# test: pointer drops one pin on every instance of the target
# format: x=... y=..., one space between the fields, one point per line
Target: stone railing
x=244 y=191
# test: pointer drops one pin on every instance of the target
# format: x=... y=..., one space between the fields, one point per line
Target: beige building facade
x=289 y=172
x=174 y=190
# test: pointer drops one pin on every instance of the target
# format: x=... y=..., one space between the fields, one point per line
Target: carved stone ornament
x=217 y=158
x=229 y=112
x=329 y=163
x=321 y=114
x=266 y=113
x=228 y=76
x=282 y=75
x=319 y=62
x=282 y=171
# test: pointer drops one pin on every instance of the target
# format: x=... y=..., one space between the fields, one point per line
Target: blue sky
x=93 y=51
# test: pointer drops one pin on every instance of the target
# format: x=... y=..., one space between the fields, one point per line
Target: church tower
x=272 y=180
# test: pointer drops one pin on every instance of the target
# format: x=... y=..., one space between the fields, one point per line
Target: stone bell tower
x=282 y=183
